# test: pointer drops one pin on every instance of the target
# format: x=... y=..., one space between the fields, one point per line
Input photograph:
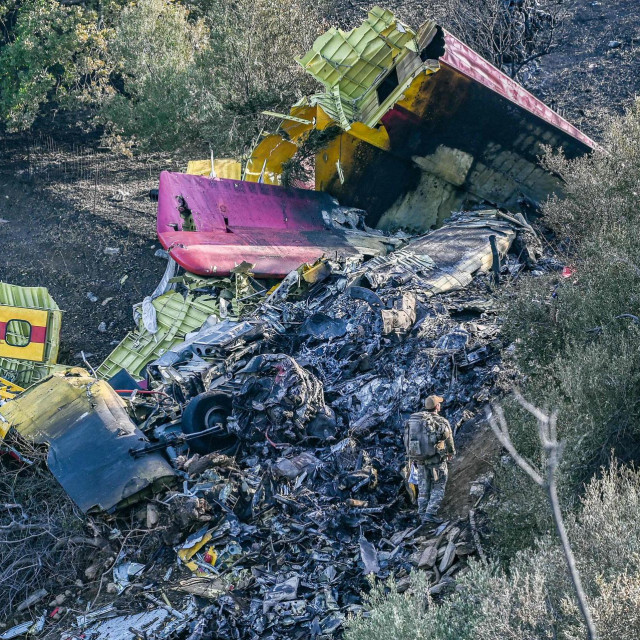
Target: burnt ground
x=597 y=70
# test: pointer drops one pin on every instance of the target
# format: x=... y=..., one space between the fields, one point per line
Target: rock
x=403 y=584
x=92 y=571
x=444 y=585
x=111 y=251
x=428 y=557
x=161 y=253
x=102 y=327
x=79 y=583
x=112 y=588
x=463 y=549
x=448 y=557
x=152 y=516
x=451 y=570
x=106 y=301
x=92 y=296
x=60 y=599
x=452 y=536
x=614 y=44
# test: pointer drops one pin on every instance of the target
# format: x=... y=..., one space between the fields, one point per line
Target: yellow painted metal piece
x=28 y=365
x=8 y=391
x=377 y=137
x=223 y=168
x=341 y=149
x=211 y=551
x=316 y=272
x=273 y=149
x=21 y=345
x=398 y=94
x=89 y=436
x=186 y=554
x=277 y=148
x=32 y=414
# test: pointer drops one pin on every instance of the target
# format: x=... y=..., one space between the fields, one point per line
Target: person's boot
x=431 y=518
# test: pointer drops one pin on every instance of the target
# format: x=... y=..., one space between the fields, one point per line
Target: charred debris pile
x=262 y=455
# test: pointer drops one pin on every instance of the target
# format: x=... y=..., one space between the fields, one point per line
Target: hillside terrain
x=66 y=200
x=299 y=503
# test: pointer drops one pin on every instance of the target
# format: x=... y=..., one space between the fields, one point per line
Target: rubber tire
x=203 y=412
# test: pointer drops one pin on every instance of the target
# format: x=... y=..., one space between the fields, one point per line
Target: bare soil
x=65 y=210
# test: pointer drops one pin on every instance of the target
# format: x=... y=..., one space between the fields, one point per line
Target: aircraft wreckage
x=416 y=125
x=411 y=126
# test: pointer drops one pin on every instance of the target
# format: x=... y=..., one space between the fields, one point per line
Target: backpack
x=421 y=436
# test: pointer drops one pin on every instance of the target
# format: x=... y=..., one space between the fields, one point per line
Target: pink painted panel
x=242 y=204
x=275 y=229
x=465 y=60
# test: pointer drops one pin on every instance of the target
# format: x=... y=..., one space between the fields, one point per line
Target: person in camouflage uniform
x=429 y=446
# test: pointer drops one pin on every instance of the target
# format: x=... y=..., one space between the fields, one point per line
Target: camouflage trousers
x=432 y=480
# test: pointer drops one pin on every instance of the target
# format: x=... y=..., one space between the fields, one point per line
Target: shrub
x=511 y=35
x=576 y=338
x=165 y=95
x=534 y=599
x=158 y=74
x=200 y=77
x=54 y=53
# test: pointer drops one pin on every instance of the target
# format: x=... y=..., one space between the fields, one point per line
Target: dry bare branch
x=547 y=432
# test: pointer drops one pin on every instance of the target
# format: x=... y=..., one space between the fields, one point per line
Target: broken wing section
x=209 y=227
x=89 y=434
x=426 y=127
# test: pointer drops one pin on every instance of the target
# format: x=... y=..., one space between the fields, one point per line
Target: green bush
x=158 y=75
x=54 y=53
x=577 y=338
x=165 y=94
x=198 y=76
x=535 y=599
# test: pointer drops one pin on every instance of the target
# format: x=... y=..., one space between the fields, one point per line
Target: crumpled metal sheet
x=89 y=434
x=40 y=331
x=279 y=394
x=157 y=623
x=176 y=316
x=349 y=64
x=447 y=258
